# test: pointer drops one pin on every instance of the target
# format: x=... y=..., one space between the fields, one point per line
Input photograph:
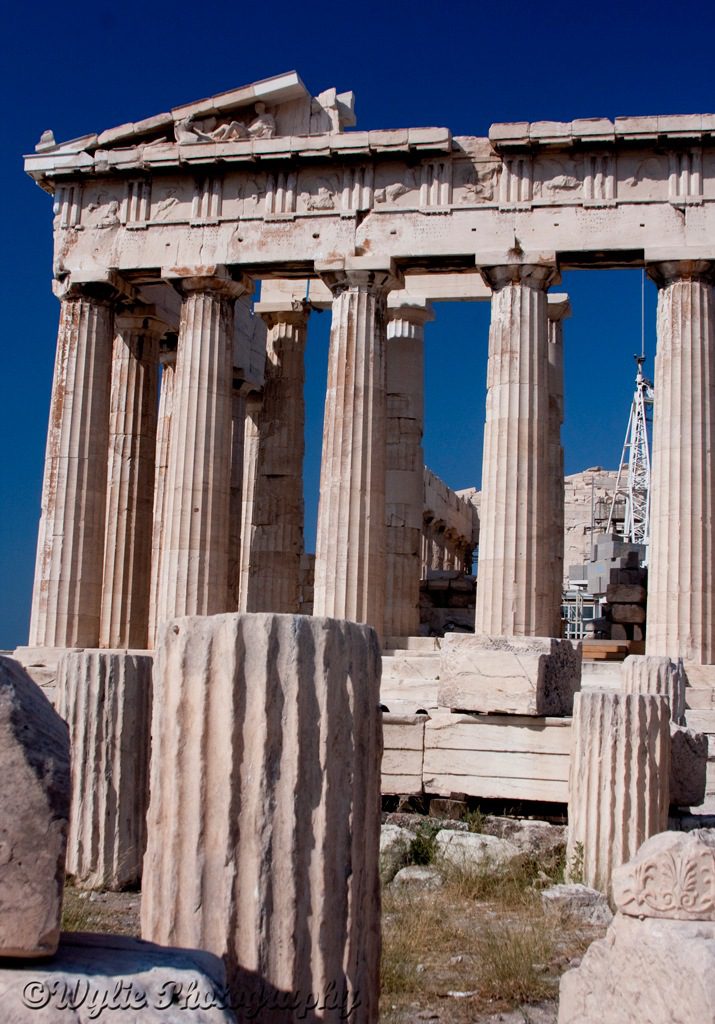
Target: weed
x=423 y=847
x=475 y=820
x=511 y=960
x=575 y=865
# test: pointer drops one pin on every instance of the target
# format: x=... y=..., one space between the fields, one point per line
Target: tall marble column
x=681 y=603
x=558 y=310
x=130 y=481
x=194 y=562
x=251 y=436
x=516 y=576
x=350 y=555
x=404 y=482
x=67 y=591
x=276 y=528
x=238 y=435
x=167 y=360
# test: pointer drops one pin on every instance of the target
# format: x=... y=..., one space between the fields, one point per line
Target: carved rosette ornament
x=672 y=876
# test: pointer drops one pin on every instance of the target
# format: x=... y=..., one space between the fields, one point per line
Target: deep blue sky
x=85 y=66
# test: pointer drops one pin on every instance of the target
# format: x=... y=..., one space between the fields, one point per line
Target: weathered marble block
x=619 y=781
x=509 y=675
x=34 y=808
x=264 y=820
x=672 y=876
x=659 y=972
x=116 y=978
x=643 y=673
x=657 y=961
x=688 y=766
x=105 y=698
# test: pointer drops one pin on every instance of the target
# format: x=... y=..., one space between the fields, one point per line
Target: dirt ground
x=478 y=950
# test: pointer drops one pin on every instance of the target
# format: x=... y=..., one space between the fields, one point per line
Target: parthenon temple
x=173 y=472
x=234 y=712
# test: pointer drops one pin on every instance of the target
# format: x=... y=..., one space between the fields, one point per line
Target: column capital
x=367 y=273
x=417 y=311
x=668 y=271
x=168 y=347
x=109 y=289
x=539 y=276
x=558 y=306
x=214 y=277
x=139 y=318
x=289 y=311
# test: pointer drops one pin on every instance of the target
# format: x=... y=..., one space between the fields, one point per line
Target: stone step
x=428 y=644
x=701 y=721
x=699 y=699
x=401 y=665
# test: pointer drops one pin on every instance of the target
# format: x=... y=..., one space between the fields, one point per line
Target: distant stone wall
x=577 y=511
x=450 y=529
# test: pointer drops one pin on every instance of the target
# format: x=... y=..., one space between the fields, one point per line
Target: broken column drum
x=618 y=782
x=265 y=802
x=105 y=697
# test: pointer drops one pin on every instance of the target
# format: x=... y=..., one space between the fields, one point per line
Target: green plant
x=575 y=864
x=475 y=820
x=423 y=847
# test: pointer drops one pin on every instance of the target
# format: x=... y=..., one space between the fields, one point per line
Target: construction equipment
x=635 y=465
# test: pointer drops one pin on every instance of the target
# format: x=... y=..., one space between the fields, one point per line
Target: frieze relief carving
x=103 y=211
x=394 y=184
x=643 y=177
x=321 y=195
x=475 y=183
x=672 y=876
x=556 y=179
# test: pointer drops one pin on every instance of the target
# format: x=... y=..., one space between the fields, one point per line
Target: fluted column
x=350 y=555
x=264 y=817
x=404 y=481
x=276 y=528
x=238 y=433
x=67 y=592
x=681 y=607
x=167 y=359
x=515 y=585
x=251 y=436
x=558 y=309
x=194 y=564
x=130 y=482
x=618 y=781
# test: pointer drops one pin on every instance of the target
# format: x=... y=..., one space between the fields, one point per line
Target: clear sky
x=85 y=66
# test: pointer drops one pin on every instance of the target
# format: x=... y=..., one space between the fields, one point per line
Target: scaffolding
x=635 y=462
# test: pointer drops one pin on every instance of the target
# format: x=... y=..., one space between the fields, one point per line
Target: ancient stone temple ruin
x=163 y=228
x=191 y=249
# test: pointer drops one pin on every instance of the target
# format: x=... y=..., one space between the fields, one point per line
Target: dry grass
x=481 y=944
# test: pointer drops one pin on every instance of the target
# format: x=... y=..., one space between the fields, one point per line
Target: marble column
x=516 y=577
x=130 y=481
x=558 y=310
x=681 y=604
x=404 y=482
x=251 y=436
x=350 y=555
x=276 y=528
x=194 y=562
x=238 y=429
x=167 y=360
x=67 y=591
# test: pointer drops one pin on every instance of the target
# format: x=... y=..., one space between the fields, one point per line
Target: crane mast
x=635 y=459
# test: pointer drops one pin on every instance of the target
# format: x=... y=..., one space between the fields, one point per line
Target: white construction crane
x=636 y=457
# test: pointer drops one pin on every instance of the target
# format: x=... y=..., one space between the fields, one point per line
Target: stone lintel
x=140 y=318
x=295 y=311
x=403 y=306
